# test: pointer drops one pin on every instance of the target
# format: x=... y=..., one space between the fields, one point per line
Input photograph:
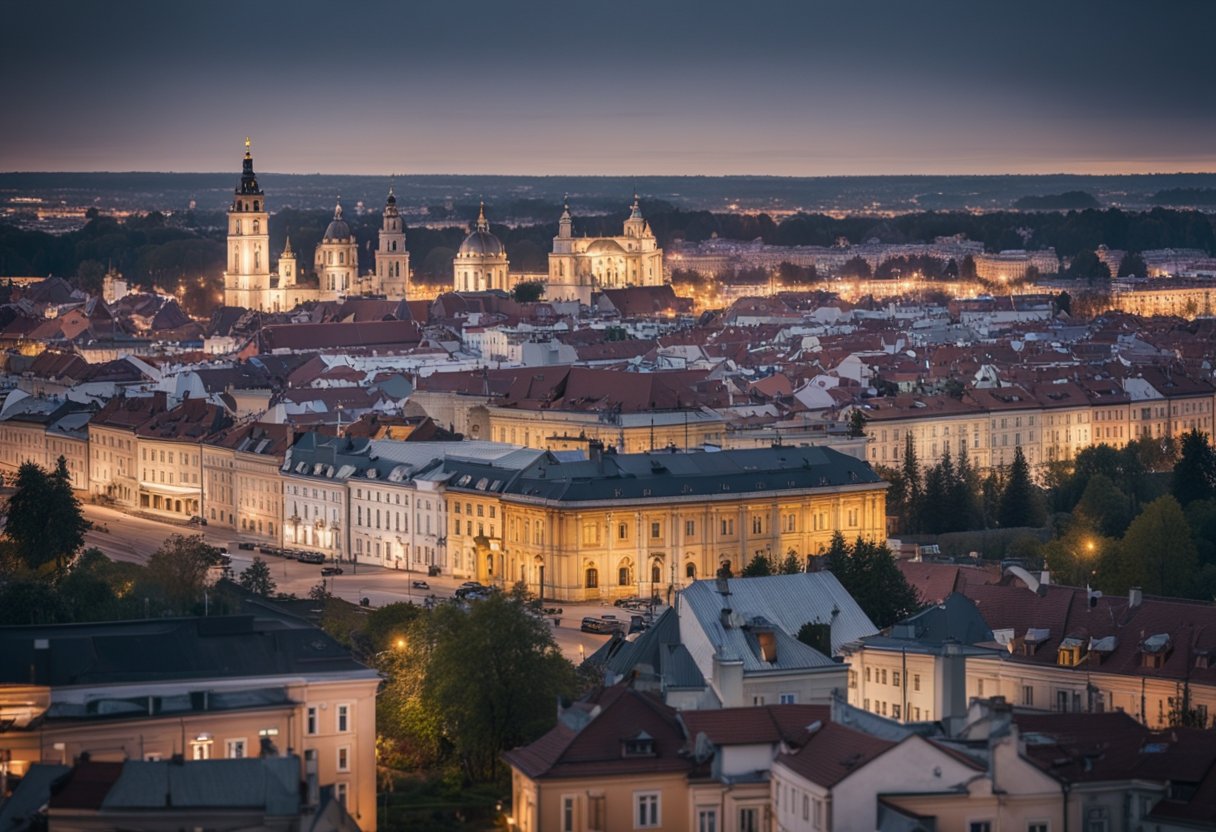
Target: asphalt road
x=134 y=539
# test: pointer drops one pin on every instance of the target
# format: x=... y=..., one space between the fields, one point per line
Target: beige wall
x=209 y=734
x=538 y=805
x=619 y=539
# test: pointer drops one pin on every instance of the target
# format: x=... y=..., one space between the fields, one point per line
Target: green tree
x=45 y=522
x=1087 y=266
x=1104 y=507
x=1157 y=554
x=869 y=573
x=177 y=571
x=857 y=424
x=792 y=564
x=1062 y=303
x=1021 y=504
x=912 y=492
x=1195 y=472
x=256 y=578
x=1133 y=265
x=758 y=567
x=491 y=675
x=528 y=291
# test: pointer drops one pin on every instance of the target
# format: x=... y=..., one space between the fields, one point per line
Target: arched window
x=592 y=579
x=489 y=564
x=256 y=226
x=690 y=570
x=622 y=576
x=656 y=572
x=256 y=208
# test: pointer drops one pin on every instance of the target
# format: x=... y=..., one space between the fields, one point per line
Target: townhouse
x=113 y=447
x=242 y=486
x=169 y=457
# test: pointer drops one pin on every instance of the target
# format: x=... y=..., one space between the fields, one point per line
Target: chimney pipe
x=1134 y=597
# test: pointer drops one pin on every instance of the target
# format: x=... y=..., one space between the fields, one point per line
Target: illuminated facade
x=249 y=281
x=580 y=265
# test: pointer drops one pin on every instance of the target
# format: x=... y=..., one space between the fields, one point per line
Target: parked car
x=419 y=585
x=310 y=557
x=601 y=626
x=246 y=546
x=196 y=520
x=326 y=571
x=268 y=550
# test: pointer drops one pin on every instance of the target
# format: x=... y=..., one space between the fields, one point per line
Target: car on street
x=310 y=557
x=326 y=571
x=245 y=546
x=419 y=585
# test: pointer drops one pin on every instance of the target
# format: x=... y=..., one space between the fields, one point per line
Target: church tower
x=392 y=260
x=287 y=267
x=337 y=259
x=248 y=274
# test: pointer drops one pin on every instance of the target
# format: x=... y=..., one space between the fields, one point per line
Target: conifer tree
x=1020 y=505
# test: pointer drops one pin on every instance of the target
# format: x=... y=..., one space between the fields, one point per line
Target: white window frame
x=707 y=819
x=341 y=791
x=231 y=744
x=647 y=800
x=311 y=716
x=787 y=698
x=342 y=758
x=569 y=815
x=342 y=714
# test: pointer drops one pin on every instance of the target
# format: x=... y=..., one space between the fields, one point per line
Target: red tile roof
x=833 y=753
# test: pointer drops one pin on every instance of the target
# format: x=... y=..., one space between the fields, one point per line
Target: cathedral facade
x=579 y=266
x=250 y=282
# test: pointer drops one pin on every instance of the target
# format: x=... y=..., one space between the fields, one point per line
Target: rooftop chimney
x=1134 y=597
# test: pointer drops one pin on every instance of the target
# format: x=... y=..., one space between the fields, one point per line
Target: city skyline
x=816 y=89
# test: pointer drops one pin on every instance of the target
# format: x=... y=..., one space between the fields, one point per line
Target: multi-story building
x=113 y=453
x=580 y=265
x=169 y=457
x=242 y=486
x=124 y=691
x=637 y=524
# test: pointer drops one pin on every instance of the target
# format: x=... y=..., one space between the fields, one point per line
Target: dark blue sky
x=800 y=87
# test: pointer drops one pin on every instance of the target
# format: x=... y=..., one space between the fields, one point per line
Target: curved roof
x=481 y=243
x=605 y=246
x=337 y=229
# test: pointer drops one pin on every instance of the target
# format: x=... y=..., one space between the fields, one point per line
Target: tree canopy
x=45 y=523
x=868 y=572
x=467 y=683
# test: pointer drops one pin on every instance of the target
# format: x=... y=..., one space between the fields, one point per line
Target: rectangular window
x=646 y=814
x=567 y=813
x=343 y=718
x=915 y=681
x=979 y=826
x=655 y=531
x=340 y=790
x=749 y=819
x=758 y=701
x=1028 y=695
x=788 y=699
x=896 y=712
x=895 y=678
x=344 y=758
x=596 y=813
x=707 y=820
x=690 y=530
x=310 y=726
x=1037 y=826
x=235 y=749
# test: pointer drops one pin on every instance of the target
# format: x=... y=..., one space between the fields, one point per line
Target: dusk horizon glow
x=546 y=88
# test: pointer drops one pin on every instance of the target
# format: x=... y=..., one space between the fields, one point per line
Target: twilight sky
x=787 y=87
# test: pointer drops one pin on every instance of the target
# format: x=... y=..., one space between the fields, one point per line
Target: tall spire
x=565 y=224
x=287 y=252
x=249 y=182
x=482 y=224
x=392 y=197
x=635 y=210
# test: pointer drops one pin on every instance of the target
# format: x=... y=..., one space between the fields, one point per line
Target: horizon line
x=399 y=174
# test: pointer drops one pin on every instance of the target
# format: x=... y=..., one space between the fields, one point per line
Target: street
x=134 y=539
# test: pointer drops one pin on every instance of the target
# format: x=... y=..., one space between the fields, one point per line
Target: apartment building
x=242 y=486
x=114 y=470
x=202 y=688
x=169 y=457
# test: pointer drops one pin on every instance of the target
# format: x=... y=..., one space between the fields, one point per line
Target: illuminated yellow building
x=617 y=525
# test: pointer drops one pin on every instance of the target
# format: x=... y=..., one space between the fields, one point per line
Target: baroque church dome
x=480 y=242
x=337 y=229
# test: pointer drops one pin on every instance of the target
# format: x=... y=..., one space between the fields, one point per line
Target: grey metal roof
x=17 y=813
x=268 y=783
x=158 y=650
x=694 y=474
x=786 y=601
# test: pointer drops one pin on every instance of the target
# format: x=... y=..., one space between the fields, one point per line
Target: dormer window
x=1154 y=651
x=641 y=745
